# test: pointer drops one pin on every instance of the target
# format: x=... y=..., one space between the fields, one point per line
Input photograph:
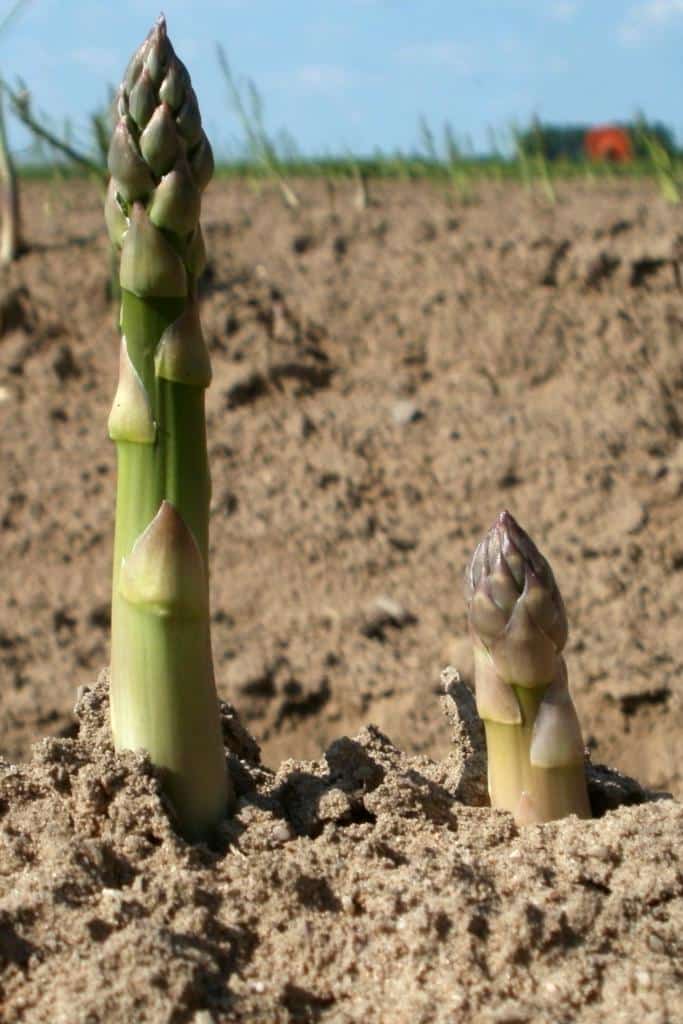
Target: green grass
x=405 y=167
x=412 y=168
x=475 y=169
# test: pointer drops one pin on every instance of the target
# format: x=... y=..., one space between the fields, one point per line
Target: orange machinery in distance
x=608 y=142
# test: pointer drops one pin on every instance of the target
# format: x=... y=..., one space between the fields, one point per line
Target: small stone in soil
x=404 y=412
x=385 y=611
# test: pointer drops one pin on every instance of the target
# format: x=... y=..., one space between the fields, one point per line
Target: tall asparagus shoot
x=519 y=628
x=163 y=696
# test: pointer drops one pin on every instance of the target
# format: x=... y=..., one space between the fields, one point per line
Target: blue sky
x=356 y=75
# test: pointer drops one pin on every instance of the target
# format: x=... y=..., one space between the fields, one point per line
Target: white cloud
x=563 y=10
x=555 y=65
x=644 y=19
x=318 y=79
x=508 y=56
x=443 y=53
x=324 y=78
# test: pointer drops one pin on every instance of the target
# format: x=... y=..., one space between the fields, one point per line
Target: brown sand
x=385 y=381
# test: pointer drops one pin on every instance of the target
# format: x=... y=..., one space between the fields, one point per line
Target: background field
x=392 y=365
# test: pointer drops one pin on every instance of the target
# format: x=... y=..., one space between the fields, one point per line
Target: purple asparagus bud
x=515 y=607
x=519 y=629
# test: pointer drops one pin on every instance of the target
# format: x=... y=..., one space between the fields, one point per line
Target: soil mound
x=359 y=887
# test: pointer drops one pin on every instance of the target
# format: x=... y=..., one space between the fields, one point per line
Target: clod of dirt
x=601 y=269
x=642 y=270
x=382 y=613
x=65 y=365
x=558 y=254
x=16 y=311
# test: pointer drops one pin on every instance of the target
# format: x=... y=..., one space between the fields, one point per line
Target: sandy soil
x=385 y=380
x=364 y=887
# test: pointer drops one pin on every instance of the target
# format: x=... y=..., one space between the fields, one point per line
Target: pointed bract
x=159 y=52
x=487 y=620
x=130 y=418
x=523 y=655
x=189 y=119
x=135 y=66
x=201 y=163
x=126 y=166
x=182 y=354
x=150 y=266
x=496 y=701
x=159 y=143
x=177 y=201
x=142 y=100
x=502 y=586
x=165 y=571
x=174 y=86
x=556 y=741
x=546 y=609
x=115 y=218
x=195 y=252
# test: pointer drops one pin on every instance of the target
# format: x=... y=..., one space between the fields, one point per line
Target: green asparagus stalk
x=163 y=696
x=519 y=628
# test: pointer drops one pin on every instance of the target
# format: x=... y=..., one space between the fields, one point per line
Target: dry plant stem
x=10 y=219
x=163 y=696
x=9 y=198
x=519 y=628
x=361 y=199
x=20 y=103
x=262 y=148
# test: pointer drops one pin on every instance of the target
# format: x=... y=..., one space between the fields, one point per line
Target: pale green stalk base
x=531 y=794
x=172 y=714
x=163 y=695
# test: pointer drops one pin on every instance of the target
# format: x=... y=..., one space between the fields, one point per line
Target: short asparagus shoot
x=163 y=695
x=518 y=625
